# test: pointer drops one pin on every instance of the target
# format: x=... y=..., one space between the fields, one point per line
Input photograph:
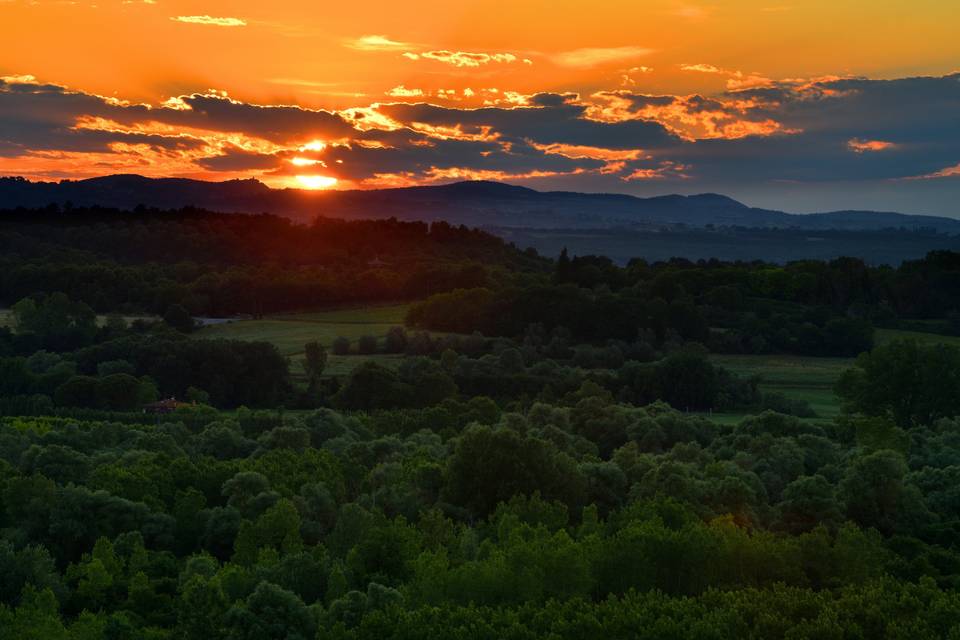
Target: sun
x=316 y=182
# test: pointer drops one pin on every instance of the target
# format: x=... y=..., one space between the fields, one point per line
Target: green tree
x=367 y=345
x=878 y=494
x=179 y=318
x=809 y=501
x=60 y=323
x=270 y=613
x=913 y=383
x=341 y=346
x=315 y=360
x=491 y=465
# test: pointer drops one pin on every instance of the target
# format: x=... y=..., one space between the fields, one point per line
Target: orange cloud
x=583 y=151
x=465 y=58
x=691 y=117
x=666 y=169
x=737 y=80
x=948 y=172
x=376 y=43
x=401 y=91
x=595 y=56
x=740 y=81
x=863 y=146
x=210 y=20
x=701 y=68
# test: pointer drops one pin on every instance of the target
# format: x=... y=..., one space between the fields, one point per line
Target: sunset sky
x=798 y=105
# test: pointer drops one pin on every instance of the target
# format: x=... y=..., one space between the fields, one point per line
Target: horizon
x=755 y=101
x=533 y=188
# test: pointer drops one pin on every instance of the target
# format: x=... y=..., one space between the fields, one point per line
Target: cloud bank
x=815 y=132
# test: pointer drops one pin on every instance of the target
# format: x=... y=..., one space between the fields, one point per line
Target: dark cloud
x=919 y=117
x=418 y=155
x=236 y=159
x=559 y=123
x=279 y=124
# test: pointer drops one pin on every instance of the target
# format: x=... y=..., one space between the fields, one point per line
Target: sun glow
x=316 y=182
x=303 y=162
x=314 y=145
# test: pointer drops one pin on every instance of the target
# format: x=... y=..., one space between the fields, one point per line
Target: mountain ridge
x=474 y=203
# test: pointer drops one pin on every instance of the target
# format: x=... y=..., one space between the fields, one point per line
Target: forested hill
x=470 y=203
x=226 y=264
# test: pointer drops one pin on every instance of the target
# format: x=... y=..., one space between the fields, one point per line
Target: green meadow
x=802 y=378
x=290 y=332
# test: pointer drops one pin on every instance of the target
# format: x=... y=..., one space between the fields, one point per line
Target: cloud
x=550 y=118
x=377 y=43
x=402 y=92
x=210 y=20
x=948 y=172
x=863 y=146
x=690 y=11
x=816 y=132
x=692 y=117
x=233 y=158
x=466 y=58
x=662 y=171
x=595 y=56
x=701 y=68
x=736 y=80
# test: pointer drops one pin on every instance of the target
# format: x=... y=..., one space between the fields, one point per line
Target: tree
x=179 y=318
x=123 y=392
x=878 y=494
x=372 y=386
x=78 y=391
x=60 y=323
x=396 y=340
x=562 y=271
x=341 y=346
x=314 y=363
x=367 y=345
x=809 y=501
x=913 y=383
x=270 y=613
x=688 y=380
x=491 y=465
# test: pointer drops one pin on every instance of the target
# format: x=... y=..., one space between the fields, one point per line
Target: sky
x=796 y=105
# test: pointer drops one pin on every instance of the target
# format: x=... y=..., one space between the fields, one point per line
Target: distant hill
x=478 y=203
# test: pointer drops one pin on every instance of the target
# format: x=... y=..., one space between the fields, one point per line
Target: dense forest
x=533 y=455
x=223 y=264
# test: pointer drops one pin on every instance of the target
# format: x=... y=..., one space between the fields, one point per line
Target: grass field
x=803 y=378
x=884 y=336
x=810 y=379
x=289 y=332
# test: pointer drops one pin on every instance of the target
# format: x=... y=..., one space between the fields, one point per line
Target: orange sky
x=343 y=56
x=298 y=51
